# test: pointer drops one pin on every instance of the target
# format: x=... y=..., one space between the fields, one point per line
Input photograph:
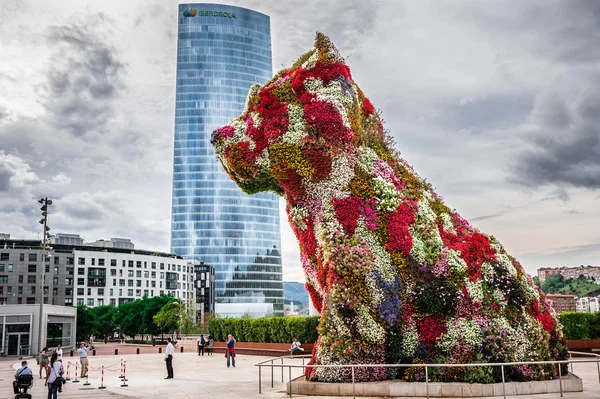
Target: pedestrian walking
x=230 y=351
x=169 y=359
x=53 y=378
x=209 y=346
x=201 y=343
x=44 y=360
x=83 y=349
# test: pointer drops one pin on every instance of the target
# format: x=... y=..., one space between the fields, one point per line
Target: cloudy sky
x=496 y=103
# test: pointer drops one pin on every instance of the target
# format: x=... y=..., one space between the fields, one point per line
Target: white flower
x=455 y=262
x=427 y=242
x=367 y=327
x=383 y=260
x=297 y=216
x=296 y=127
x=333 y=186
x=367 y=158
x=460 y=329
x=264 y=161
x=447 y=223
x=410 y=340
x=312 y=60
x=487 y=271
x=475 y=290
x=240 y=128
x=389 y=196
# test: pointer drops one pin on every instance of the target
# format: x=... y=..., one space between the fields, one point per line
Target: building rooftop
x=37 y=244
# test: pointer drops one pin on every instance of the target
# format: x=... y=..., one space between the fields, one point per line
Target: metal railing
x=270 y=363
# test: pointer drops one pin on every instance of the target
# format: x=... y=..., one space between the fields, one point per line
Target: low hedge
x=581 y=325
x=269 y=329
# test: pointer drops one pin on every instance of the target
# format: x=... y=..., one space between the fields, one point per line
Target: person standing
x=230 y=351
x=53 y=379
x=169 y=359
x=83 y=349
x=209 y=346
x=44 y=360
x=201 y=343
x=92 y=341
x=59 y=352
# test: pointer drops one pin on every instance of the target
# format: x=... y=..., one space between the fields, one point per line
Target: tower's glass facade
x=221 y=51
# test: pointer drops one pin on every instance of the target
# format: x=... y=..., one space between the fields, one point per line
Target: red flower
x=347 y=211
x=368 y=107
x=547 y=321
x=319 y=157
x=399 y=238
x=316 y=299
x=327 y=121
x=256 y=135
x=326 y=73
x=274 y=114
x=474 y=248
x=306 y=238
x=430 y=329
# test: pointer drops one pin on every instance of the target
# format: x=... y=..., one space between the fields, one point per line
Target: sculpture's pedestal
x=570 y=383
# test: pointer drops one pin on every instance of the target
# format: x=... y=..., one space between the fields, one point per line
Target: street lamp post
x=45 y=204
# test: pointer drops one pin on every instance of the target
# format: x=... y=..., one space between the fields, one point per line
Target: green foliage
x=536 y=281
x=580 y=325
x=151 y=307
x=168 y=319
x=269 y=329
x=581 y=286
x=103 y=316
x=553 y=284
x=85 y=322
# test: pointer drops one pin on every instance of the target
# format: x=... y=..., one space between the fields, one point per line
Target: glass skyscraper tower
x=221 y=52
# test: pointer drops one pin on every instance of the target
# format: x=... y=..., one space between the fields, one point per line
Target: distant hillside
x=295 y=291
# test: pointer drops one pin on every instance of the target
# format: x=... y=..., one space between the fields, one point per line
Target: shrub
x=268 y=329
x=580 y=325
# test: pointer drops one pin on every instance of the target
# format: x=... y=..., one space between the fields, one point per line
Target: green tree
x=553 y=284
x=151 y=307
x=103 y=315
x=85 y=323
x=168 y=319
x=536 y=281
x=127 y=317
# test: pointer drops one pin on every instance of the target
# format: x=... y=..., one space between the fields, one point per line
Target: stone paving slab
x=205 y=377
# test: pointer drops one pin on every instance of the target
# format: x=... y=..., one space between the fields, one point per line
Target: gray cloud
x=3 y=113
x=85 y=77
x=5 y=175
x=565 y=138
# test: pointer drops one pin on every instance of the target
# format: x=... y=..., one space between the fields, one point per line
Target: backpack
x=202 y=341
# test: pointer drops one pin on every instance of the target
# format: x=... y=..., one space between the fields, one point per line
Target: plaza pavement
x=200 y=377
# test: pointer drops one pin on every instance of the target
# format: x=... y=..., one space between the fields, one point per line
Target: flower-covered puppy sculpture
x=396 y=275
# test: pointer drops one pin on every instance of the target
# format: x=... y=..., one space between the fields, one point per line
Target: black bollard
x=71 y=353
x=159 y=350
x=182 y=349
x=116 y=351
x=93 y=352
x=138 y=351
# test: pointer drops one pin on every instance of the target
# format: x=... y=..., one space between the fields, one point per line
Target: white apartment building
x=76 y=273
x=106 y=277
x=588 y=304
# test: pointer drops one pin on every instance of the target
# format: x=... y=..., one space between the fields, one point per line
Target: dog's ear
x=328 y=53
x=252 y=97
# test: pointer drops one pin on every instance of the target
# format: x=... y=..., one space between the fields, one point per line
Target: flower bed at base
x=396 y=275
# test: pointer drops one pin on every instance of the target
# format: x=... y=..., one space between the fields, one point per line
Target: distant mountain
x=295 y=291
